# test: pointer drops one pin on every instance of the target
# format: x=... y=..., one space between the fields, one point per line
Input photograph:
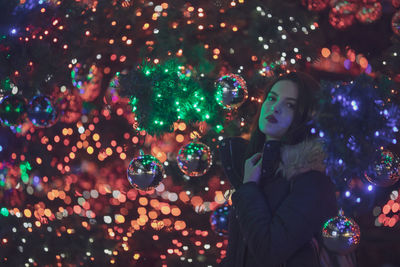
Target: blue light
x=385 y=112
x=376 y=133
x=347 y=193
x=370 y=187
x=13 y=31
x=36 y=180
x=321 y=134
x=394 y=141
x=1 y=148
x=395 y=129
x=313 y=130
x=358 y=200
x=340 y=161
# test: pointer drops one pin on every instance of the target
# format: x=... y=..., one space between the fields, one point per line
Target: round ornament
x=341 y=234
x=396 y=3
x=340 y=21
x=87 y=79
x=41 y=111
x=145 y=172
x=369 y=12
x=70 y=106
x=345 y=7
x=219 y=220
x=13 y=110
x=194 y=159
x=231 y=91
x=386 y=171
x=396 y=23
x=315 y=5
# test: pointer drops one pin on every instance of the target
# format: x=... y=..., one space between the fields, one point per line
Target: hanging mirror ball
x=194 y=159
x=13 y=110
x=341 y=234
x=145 y=172
x=219 y=220
x=386 y=170
x=42 y=112
x=231 y=91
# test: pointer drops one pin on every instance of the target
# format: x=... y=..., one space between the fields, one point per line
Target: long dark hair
x=305 y=107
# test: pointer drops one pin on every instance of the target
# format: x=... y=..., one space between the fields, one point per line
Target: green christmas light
x=24 y=168
x=165 y=96
x=4 y=211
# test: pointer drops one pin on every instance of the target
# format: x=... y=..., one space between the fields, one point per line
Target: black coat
x=273 y=224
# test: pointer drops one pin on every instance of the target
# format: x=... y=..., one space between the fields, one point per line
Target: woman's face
x=277 y=111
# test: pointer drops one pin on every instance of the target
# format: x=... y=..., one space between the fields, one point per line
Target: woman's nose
x=276 y=108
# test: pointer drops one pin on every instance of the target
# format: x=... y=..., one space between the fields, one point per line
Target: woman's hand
x=252 y=168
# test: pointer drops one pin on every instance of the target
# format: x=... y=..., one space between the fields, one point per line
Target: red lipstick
x=272 y=119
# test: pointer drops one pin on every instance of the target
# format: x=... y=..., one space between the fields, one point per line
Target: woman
x=282 y=196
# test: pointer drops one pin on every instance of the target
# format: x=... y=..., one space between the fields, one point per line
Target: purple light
x=36 y=180
x=347 y=193
x=368 y=69
x=370 y=187
x=347 y=64
x=13 y=31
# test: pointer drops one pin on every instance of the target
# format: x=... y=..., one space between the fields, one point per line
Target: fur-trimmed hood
x=305 y=156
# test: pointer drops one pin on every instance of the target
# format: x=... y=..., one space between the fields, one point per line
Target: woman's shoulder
x=301 y=158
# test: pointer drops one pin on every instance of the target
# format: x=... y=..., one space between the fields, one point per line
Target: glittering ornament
x=219 y=220
x=194 y=159
x=369 y=13
x=13 y=110
x=231 y=91
x=145 y=172
x=345 y=7
x=340 y=21
x=341 y=234
x=386 y=172
x=71 y=107
x=315 y=5
x=42 y=112
x=87 y=79
x=396 y=23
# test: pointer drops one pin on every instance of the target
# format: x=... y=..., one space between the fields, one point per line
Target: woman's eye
x=270 y=98
x=290 y=105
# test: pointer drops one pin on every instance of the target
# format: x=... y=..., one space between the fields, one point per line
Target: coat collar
x=303 y=157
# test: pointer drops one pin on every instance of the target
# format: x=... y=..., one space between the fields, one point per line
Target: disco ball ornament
x=369 y=13
x=341 y=234
x=13 y=110
x=194 y=159
x=386 y=171
x=42 y=112
x=315 y=5
x=219 y=220
x=231 y=91
x=87 y=79
x=70 y=107
x=145 y=172
x=396 y=23
x=345 y=7
x=396 y=3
